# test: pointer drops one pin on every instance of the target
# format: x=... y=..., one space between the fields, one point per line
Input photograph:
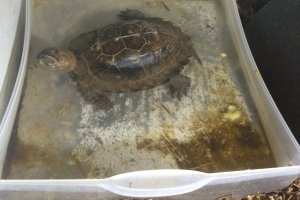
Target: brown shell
x=130 y=56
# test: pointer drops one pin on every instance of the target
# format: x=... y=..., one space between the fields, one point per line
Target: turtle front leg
x=98 y=100
x=179 y=86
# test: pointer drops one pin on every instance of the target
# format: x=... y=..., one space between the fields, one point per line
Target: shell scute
x=127 y=59
x=134 y=42
x=113 y=47
x=94 y=53
x=110 y=33
x=130 y=29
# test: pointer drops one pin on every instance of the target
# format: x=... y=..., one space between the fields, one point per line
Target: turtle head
x=57 y=59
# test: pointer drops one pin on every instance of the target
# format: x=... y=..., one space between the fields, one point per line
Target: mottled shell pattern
x=131 y=55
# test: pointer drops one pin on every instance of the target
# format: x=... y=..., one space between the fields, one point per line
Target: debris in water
x=165 y=6
x=232 y=113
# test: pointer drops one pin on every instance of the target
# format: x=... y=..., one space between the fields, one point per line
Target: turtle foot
x=179 y=86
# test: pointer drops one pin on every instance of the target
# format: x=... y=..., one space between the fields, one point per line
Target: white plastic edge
x=10 y=113
x=148 y=183
x=10 y=11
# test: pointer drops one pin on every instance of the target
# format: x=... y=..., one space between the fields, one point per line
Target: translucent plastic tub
x=170 y=183
x=14 y=53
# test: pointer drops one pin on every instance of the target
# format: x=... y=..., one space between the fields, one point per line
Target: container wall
x=283 y=144
x=11 y=42
x=13 y=77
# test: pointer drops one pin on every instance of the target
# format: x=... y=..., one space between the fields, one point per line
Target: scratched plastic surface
x=214 y=128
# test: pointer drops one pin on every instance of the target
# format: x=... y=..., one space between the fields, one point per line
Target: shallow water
x=214 y=128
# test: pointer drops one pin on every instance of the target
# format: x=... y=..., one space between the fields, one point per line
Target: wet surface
x=60 y=135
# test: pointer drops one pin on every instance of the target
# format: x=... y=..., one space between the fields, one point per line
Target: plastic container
x=173 y=183
x=11 y=42
x=14 y=53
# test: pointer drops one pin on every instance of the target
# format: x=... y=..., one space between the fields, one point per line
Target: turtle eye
x=52 y=62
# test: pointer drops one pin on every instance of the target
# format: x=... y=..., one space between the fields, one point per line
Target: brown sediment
x=217 y=144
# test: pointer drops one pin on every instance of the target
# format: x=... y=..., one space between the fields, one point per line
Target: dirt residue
x=218 y=144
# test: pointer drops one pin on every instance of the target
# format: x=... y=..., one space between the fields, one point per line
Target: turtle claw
x=179 y=86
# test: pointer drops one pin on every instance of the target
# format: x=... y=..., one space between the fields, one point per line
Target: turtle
x=137 y=53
